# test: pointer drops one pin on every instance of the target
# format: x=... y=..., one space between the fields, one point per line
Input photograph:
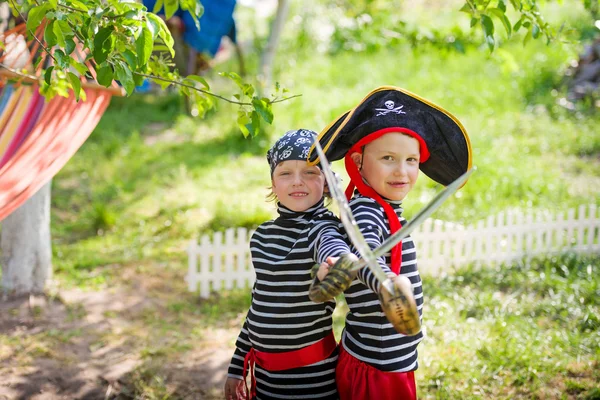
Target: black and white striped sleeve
x=371 y=226
x=365 y=275
x=242 y=347
x=327 y=240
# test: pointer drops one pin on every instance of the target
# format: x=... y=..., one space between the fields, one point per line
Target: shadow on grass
x=43 y=381
x=153 y=379
x=126 y=115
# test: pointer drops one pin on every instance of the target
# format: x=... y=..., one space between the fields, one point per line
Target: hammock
x=38 y=137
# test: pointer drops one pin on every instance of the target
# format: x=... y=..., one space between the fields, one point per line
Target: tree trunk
x=266 y=60
x=25 y=249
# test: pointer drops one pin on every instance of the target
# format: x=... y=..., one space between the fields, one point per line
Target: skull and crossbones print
x=389 y=108
x=294 y=145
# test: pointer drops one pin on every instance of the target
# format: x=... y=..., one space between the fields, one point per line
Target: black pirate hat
x=445 y=145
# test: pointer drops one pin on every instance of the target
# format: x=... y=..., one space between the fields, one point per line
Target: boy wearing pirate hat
x=384 y=141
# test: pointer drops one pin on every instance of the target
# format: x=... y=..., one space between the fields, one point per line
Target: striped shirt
x=368 y=335
x=282 y=318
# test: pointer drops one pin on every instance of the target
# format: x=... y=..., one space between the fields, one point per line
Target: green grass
x=522 y=330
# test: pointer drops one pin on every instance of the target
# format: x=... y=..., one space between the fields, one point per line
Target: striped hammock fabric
x=38 y=137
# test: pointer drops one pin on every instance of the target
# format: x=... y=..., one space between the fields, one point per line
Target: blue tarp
x=216 y=22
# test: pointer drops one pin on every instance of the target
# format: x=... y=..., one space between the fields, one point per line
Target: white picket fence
x=224 y=261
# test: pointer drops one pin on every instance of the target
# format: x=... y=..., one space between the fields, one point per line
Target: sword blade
x=418 y=219
x=350 y=224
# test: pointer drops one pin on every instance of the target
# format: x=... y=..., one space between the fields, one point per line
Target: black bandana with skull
x=294 y=145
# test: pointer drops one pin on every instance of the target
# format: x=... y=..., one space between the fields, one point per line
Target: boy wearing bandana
x=384 y=141
x=286 y=344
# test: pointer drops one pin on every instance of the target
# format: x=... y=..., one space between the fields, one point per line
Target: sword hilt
x=399 y=305
x=338 y=279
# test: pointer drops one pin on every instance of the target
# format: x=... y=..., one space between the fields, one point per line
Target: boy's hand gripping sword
x=396 y=296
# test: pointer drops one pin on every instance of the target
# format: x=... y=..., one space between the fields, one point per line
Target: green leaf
x=466 y=8
x=194 y=8
x=535 y=31
x=242 y=121
x=60 y=29
x=517 y=26
x=490 y=42
x=49 y=36
x=527 y=38
x=498 y=13
x=163 y=32
x=153 y=27
x=143 y=46
x=234 y=77
x=171 y=7
x=502 y=6
x=79 y=5
x=79 y=67
x=488 y=25
x=69 y=45
x=198 y=10
x=133 y=5
x=76 y=84
x=473 y=22
x=48 y=74
x=138 y=80
x=53 y=3
x=263 y=107
x=248 y=90
x=35 y=17
x=200 y=80
x=157 y=6
x=254 y=124
x=131 y=59
x=104 y=75
x=125 y=77
x=62 y=59
x=100 y=51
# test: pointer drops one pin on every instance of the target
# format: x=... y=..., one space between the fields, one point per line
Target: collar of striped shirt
x=286 y=213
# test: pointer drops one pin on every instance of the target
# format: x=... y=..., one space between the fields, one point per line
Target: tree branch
x=19 y=73
x=209 y=93
x=193 y=87
x=285 y=98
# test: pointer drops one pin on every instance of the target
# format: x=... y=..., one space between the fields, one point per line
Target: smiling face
x=390 y=164
x=297 y=185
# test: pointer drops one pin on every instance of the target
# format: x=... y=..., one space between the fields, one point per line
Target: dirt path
x=103 y=345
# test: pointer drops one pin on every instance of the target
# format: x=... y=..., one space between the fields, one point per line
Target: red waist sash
x=308 y=355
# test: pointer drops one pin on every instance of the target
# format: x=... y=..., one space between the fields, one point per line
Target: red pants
x=357 y=380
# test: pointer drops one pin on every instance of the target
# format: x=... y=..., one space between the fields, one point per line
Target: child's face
x=390 y=164
x=297 y=185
